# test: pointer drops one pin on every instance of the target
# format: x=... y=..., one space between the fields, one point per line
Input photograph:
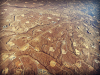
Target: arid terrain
x=49 y=37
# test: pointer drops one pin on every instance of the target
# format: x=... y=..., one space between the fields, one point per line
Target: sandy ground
x=49 y=37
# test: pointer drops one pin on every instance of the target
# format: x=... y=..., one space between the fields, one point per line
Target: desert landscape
x=49 y=37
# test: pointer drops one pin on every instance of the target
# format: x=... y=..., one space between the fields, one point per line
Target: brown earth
x=49 y=37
